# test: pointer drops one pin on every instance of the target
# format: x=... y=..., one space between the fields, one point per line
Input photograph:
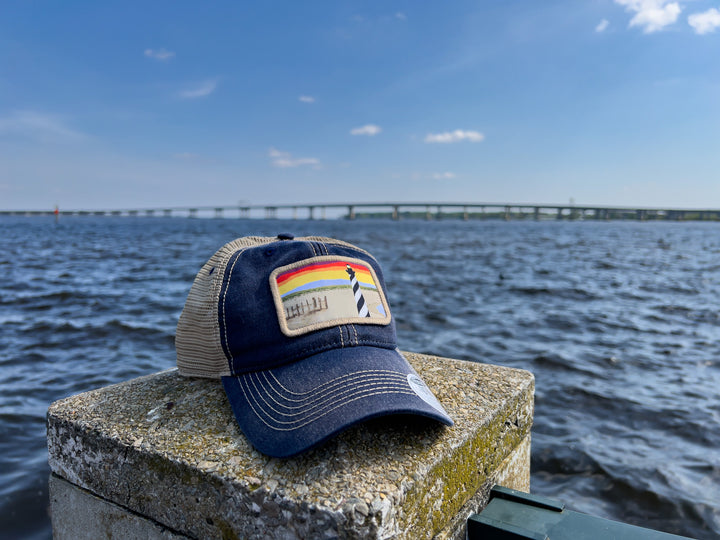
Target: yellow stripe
x=363 y=276
x=309 y=277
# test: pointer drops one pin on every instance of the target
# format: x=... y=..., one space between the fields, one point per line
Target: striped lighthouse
x=359 y=299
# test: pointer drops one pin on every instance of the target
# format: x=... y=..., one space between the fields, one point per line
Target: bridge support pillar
x=244 y=212
x=167 y=212
x=270 y=212
x=322 y=212
x=396 y=212
x=351 y=212
x=294 y=212
x=428 y=215
x=559 y=213
x=192 y=212
x=537 y=213
x=218 y=212
x=311 y=215
x=507 y=213
x=465 y=213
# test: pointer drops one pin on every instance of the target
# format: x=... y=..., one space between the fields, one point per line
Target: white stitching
x=319 y=416
x=227 y=342
x=334 y=380
x=313 y=397
x=318 y=406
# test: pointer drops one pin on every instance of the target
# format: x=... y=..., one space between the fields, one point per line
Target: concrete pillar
x=465 y=213
x=294 y=212
x=244 y=212
x=311 y=216
x=428 y=215
x=167 y=212
x=161 y=456
x=559 y=213
x=192 y=212
x=396 y=212
x=507 y=213
x=218 y=212
x=351 y=212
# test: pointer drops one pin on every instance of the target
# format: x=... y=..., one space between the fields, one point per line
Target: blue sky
x=142 y=104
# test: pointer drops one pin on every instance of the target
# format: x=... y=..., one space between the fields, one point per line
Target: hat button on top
x=285 y=236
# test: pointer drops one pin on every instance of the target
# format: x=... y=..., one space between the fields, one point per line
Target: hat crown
x=259 y=303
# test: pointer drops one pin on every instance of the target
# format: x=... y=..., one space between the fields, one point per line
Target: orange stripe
x=320 y=266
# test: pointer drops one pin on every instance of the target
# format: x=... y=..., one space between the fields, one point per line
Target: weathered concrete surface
x=168 y=448
x=80 y=515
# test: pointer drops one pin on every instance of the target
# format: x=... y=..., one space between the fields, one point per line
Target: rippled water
x=618 y=321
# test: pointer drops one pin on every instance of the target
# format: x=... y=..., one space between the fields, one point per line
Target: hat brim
x=292 y=408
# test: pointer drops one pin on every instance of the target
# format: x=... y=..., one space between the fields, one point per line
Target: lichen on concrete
x=168 y=447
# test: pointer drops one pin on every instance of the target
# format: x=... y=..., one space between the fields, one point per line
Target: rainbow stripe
x=318 y=275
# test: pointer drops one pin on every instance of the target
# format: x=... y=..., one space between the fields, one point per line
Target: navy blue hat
x=301 y=333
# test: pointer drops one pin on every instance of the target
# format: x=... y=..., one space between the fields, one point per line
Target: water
x=618 y=321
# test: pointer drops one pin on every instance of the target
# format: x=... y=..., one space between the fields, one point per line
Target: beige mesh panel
x=197 y=339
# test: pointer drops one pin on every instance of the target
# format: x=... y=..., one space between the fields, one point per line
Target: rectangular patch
x=321 y=292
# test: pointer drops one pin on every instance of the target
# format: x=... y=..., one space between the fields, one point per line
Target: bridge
x=399 y=210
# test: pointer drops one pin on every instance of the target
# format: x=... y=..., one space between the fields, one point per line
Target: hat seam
x=226 y=343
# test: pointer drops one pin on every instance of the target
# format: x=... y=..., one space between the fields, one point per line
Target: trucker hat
x=301 y=334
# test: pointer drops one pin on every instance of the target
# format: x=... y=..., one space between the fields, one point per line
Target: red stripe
x=319 y=266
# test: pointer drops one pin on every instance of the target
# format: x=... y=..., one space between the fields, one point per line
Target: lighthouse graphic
x=359 y=299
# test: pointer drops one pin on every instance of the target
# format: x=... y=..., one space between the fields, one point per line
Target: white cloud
x=444 y=176
x=285 y=160
x=401 y=16
x=454 y=136
x=201 y=90
x=705 y=22
x=369 y=129
x=307 y=99
x=159 y=54
x=651 y=15
x=39 y=126
x=602 y=26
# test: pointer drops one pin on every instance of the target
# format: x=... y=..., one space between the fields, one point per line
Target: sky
x=110 y=105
